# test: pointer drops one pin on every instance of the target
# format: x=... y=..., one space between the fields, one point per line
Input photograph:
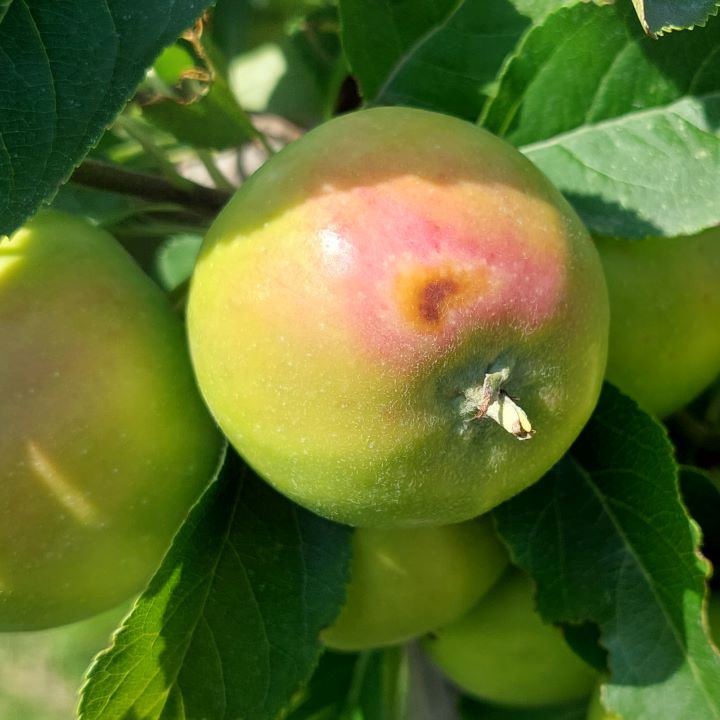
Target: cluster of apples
x=399 y=323
x=454 y=587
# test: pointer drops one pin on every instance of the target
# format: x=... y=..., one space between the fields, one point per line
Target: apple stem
x=490 y=400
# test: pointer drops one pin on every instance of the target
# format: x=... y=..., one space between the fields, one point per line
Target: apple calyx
x=490 y=400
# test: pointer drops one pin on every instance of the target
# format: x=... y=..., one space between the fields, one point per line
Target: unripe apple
x=105 y=442
x=408 y=581
x=665 y=304
x=503 y=652
x=398 y=320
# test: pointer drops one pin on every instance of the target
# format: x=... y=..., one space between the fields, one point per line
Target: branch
x=104 y=176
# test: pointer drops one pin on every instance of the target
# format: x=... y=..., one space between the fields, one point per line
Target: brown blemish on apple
x=426 y=295
x=434 y=298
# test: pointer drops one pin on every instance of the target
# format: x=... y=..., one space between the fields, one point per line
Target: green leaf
x=660 y=16
x=385 y=683
x=377 y=34
x=176 y=259
x=701 y=492
x=347 y=686
x=67 y=67
x=650 y=173
x=235 y=26
x=474 y=710
x=446 y=58
x=229 y=625
x=202 y=113
x=606 y=136
x=213 y=120
x=172 y=63
x=328 y=695
x=607 y=540
x=4 y=5
x=295 y=75
x=541 y=92
x=99 y=206
x=584 y=639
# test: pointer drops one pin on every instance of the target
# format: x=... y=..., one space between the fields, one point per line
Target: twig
x=103 y=176
x=276 y=127
x=216 y=175
x=141 y=134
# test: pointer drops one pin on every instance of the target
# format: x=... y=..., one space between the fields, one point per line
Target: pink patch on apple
x=413 y=286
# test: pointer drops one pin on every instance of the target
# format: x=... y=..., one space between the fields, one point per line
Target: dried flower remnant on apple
x=490 y=400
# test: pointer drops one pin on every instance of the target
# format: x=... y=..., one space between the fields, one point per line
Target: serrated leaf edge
x=696 y=534
x=666 y=29
x=511 y=57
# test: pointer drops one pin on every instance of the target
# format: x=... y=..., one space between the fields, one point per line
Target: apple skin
x=502 y=652
x=105 y=442
x=408 y=581
x=361 y=283
x=665 y=304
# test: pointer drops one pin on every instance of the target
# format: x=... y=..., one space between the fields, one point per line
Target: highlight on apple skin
x=405 y=582
x=665 y=303
x=398 y=320
x=502 y=651
x=105 y=441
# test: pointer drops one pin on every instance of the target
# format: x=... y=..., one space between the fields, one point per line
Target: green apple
x=398 y=320
x=408 y=581
x=502 y=652
x=105 y=442
x=665 y=304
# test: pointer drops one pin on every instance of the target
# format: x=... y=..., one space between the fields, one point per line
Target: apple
x=408 y=581
x=398 y=320
x=105 y=441
x=502 y=652
x=665 y=304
